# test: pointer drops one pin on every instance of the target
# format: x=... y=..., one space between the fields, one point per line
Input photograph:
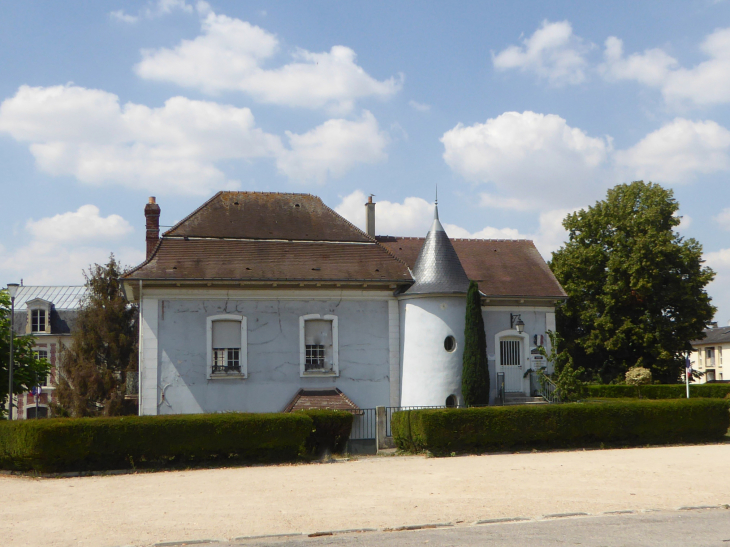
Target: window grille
x=38 y=321
x=509 y=352
x=226 y=360
x=314 y=357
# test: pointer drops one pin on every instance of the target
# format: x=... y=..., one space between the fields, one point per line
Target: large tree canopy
x=28 y=369
x=636 y=288
x=103 y=349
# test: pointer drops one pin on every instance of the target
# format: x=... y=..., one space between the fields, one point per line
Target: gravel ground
x=371 y=492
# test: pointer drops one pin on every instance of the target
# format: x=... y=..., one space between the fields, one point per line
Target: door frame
x=524 y=355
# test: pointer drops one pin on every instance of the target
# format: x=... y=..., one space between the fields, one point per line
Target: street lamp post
x=515 y=321
x=12 y=291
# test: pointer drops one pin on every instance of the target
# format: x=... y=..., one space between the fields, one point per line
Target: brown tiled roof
x=267 y=215
x=322 y=399
x=501 y=267
x=235 y=259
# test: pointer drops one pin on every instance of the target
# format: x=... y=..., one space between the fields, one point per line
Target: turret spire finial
x=436 y=208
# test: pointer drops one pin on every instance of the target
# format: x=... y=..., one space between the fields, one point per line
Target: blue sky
x=519 y=111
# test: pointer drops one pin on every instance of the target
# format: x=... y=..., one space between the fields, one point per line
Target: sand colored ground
x=145 y=508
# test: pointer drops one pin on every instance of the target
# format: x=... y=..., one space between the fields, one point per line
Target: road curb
x=419 y=526
x=565 y=515
x=501 y=520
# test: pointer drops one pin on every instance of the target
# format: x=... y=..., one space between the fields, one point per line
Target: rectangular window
x=719 y=354
x=509 y=352
x=38 y=320
x=318 y=349
x=41 y=354
x=226 y=347
x=42 y=412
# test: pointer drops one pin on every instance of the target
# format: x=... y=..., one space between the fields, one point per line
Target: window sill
x=227 y=376
x=318 y=373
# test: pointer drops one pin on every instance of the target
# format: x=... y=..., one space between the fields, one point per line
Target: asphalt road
x=689 y=528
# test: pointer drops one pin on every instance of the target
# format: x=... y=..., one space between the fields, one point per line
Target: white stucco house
x=257 y=301
x=707 y=355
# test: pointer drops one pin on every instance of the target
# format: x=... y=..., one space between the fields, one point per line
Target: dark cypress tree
x=475 y=373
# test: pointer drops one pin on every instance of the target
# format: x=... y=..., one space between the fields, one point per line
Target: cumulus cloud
x=86 y=133
x=536 y=158
x=229 y=54
x=57 y=249
x=153 y=10
x=553 y=52
x=705 y=84
x=421 y=107
x=333 y=148
x=719 y=261
x=413 y=217
x=678 y=151
x=723 y=219
x=84 y=224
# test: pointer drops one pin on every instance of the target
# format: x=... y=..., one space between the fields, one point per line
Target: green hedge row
x=477 y=430
x=83 y=444
x=330 y=432
x=660 y=391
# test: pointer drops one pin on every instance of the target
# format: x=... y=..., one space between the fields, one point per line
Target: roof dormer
x=39 y=316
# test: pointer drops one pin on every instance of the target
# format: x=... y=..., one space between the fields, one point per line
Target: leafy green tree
x=475 y=371
x=636 y=288
x=103 y=349
x=638 y=376
x=28 y=368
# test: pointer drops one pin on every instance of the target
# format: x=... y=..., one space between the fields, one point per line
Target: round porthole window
x=451 y=401
x=450 y=343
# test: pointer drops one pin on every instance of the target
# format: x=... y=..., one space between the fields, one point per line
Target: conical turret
x=438 y=269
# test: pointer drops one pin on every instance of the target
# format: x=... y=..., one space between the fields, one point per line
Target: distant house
x=48 y=313
x=707 y=355
x=264 y=302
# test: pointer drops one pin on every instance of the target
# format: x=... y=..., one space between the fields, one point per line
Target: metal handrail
x=500 y=387
x=544 y=387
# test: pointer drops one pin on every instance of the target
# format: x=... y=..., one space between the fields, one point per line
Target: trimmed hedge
x=477 y=430
x=330 y=432
x=79 y=444
x=660 y=391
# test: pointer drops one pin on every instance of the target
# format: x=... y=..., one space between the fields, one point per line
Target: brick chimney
x=370 y=216
x=152 y=216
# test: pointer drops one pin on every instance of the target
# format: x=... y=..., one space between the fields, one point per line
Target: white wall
x=273 y=353
x=429 y=373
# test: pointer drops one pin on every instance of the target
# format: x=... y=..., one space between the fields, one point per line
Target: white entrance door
x=511 y=363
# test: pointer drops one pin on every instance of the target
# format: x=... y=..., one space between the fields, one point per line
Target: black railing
x=363 y=424
x=500 y=387
x=542 y=386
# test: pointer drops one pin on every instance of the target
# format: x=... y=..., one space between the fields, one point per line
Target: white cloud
x=153 y=10
x=414 y=216
x=61 y=246
x=723 y=219
x=536 y=158
x=678 y=151
x=705 y=84
x=719 y=261
x=84 y=224
x=498 y=202
x=552 y=52
x=421 y=107
x=86 y=133
x=332 y=149
x=229 y=54
x=650 y=68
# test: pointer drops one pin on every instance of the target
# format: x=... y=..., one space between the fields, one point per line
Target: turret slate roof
x=437 y=269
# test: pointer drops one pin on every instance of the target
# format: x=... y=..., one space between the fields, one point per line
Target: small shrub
x=638 y=376
x=330 y=432
x=444 y=431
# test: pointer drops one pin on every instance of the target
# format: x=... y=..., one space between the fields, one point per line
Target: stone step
x=523 y=400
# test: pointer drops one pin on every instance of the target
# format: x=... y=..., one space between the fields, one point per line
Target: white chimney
x=370 y=216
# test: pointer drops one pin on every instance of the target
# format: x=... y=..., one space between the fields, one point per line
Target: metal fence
x=363 y=424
